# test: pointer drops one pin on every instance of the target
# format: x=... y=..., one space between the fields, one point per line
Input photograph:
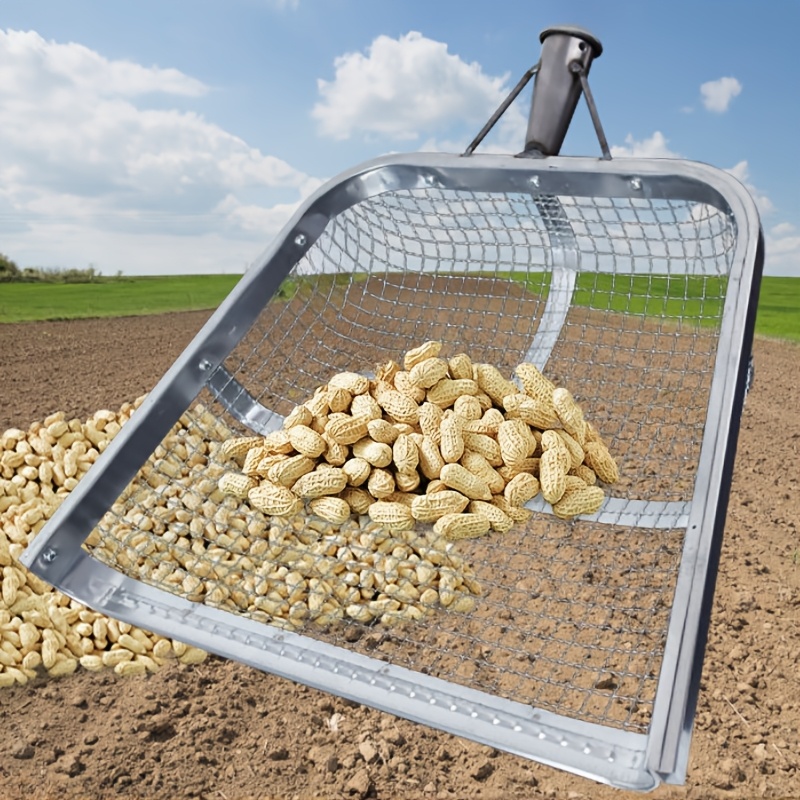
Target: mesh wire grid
x=571 y=616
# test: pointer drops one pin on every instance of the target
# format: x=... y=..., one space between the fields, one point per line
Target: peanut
x=351 y=381
x=451 y=442
x=320 y=482
x=275 y=500
x=430 y=507
x=424 y=351
x=461 y=526
x=347 y=430
x=394 y=516
x=570 y=414
x=427 y=372
x=462 y=480
x=599 y=459
x=577 y=501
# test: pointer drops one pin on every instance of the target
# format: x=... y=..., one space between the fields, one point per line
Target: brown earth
x=222 y=730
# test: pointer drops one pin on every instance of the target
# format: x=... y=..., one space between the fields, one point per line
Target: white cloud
x=653 y=147
x=741 y=172
x=717 y=95
x=783 y=229
x=783 y=250
x=403 y=89
x=82 y=154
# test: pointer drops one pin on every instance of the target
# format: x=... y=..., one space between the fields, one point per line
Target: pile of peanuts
x=349 y=513
x=442 y=441
x=40 y=628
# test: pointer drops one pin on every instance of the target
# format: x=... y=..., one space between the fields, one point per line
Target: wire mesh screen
x=569 y=616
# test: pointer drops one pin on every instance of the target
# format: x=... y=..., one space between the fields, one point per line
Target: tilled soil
x=222 y=730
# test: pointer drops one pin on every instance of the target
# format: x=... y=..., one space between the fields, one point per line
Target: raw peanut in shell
x=306 y=441
x=377 y=453
x=394 y=516
x=492 y=417
x=498 y=519
x=359 y=500
x=574 y=482
x=530 y=465
x=462 y=480
x=454 y=527
x=339 y=400
x=252 y=460
x=602 y=462
x=429 y=349
x=430 y=421
x=484 y=445
x=318 y=403
x=430 y=507
x=335 y=454
x=586 y=500
x=385 y=372
x=405 y=498
x=236 y=484
x=552 y=441
x=570 y=414
x=357 y=470
x=425 y=374
x=517 y=513
x=534 y=383
x=299 y=415
x=398 y=406
x=287 y=471
x=430 y=459
x=347 y=430
x=467 y=407
x=238 y=446
x=520 y=489
x=460 y=366
x=351 y=381
x=382 y=431
x=484 y=401
x=515 y=440
x=491 y=381
x=277 y=442
x=531 y=410
x=552 y=475
x=320 y=482
x=380 y=484
x=586 y=474
x=404 y=385
x=575 y=450
x=405 y=453
x=447 y=391
x=479 y=466
x=274 y=500
x=332 y=509
x=365 y=405
x=407 y=481
x=451 y=442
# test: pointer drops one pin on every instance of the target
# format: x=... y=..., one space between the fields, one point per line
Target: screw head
x=636 y=183
x=49 y=555
x=300 y=240
x=205 y=365
x=534 y=180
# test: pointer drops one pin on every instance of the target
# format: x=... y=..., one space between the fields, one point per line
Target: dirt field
x=222 y=730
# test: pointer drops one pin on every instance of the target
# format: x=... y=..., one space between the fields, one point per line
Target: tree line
x=11 y=273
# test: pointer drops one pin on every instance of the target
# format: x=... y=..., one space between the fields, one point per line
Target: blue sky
x=178 y=136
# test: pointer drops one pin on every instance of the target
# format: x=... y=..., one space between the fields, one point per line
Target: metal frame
x=621 y=758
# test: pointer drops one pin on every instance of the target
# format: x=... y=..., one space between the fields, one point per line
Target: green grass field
x=26 y=302
x=778 y=309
